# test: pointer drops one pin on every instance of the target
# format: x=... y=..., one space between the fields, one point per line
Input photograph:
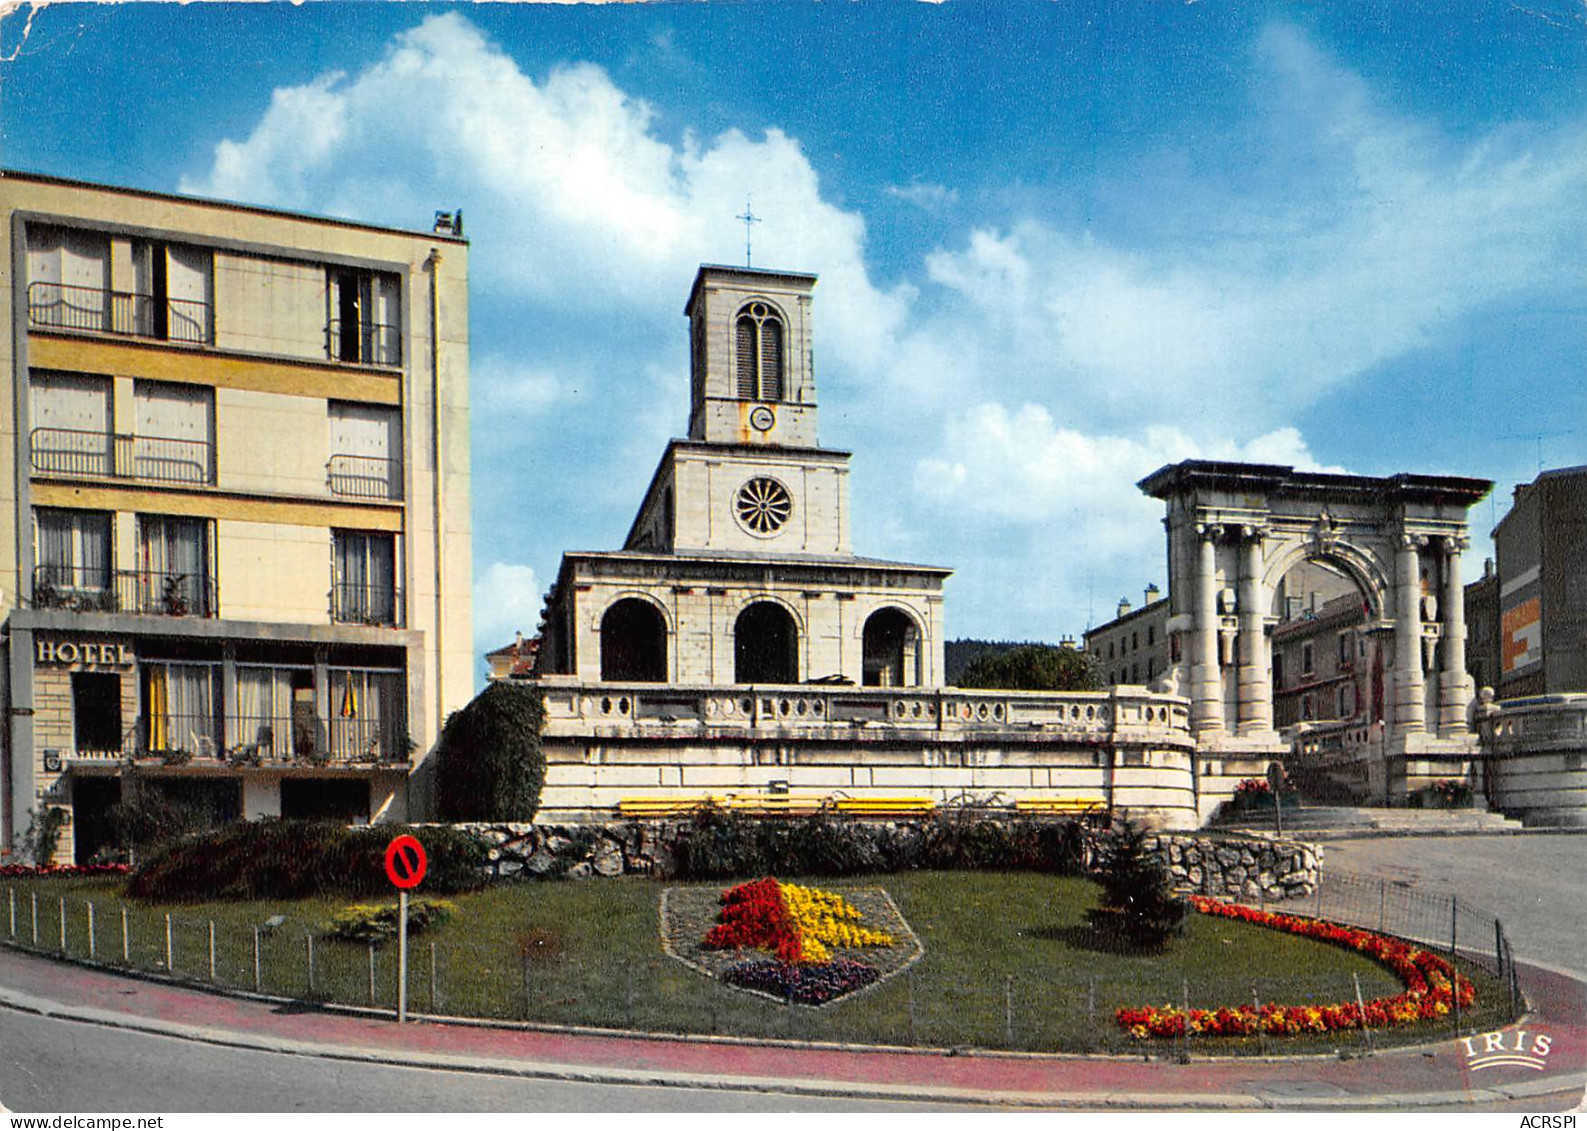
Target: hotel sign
x=83 y=652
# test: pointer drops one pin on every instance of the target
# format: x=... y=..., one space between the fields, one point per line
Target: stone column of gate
x=1453 y=694
x=1410 y=709
x=1255 y=697
x=1206 y=681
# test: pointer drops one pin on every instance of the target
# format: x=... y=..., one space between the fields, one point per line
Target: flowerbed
x=1431 y=987
x=801 y=927
x=30 y=871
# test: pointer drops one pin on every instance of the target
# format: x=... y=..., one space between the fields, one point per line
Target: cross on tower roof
x=749 y=218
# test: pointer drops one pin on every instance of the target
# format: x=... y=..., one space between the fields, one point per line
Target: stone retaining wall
x=1238 y=868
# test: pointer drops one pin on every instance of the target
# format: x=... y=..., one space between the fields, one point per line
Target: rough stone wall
x=1241 y=869
x=1237 y=868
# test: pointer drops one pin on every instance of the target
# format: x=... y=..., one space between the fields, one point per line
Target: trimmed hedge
x=275 y=859
x=489 y=765
x=717 y=844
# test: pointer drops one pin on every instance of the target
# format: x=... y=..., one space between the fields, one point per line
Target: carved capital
x=1455 y=544
x=1209 y=531
x=1413 y=541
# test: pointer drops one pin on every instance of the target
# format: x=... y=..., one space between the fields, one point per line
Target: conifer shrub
x=1139 y=911
x=489 y=765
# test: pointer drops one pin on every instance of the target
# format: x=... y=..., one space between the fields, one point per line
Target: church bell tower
x=752 y=380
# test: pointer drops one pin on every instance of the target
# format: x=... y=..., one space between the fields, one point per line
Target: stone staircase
x=1339 y=822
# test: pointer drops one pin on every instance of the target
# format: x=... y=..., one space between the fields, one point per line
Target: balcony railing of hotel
x=363 y=343
x=364 y=477
x=86 y=589
x=155 y=459
x=62 y=306
x=260 y=741
x=367 y=604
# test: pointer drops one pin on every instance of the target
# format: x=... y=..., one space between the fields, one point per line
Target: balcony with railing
x=264 y=741
x=375 y=605
x=100 y=310
x=363 y=343
x=364 y=477
x=153 y=459
x=90 y=589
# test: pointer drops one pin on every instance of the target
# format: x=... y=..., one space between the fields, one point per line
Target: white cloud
x=507 y=599
x=573 y=199
x=503 y=386
x=1289 y=288
x=925 y=195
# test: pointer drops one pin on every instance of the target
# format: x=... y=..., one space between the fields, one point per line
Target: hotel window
x=368 y=721
x=179 y=708
x=758 y=336
x=364 y=572
x=69 y=279
x=73 y=559
x=71 y=424
x=96 y=712
x=275 y=717
x=366 y=451
x=172 y=293
x=174 y=442
x=173 y=566
x=363 y=317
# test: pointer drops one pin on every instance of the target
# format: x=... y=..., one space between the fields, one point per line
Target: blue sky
x=1059 y=245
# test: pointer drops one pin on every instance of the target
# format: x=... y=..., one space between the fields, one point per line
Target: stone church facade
x=738 y=567
x=737 y=648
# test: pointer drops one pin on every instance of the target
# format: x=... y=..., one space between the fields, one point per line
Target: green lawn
x=596 y=959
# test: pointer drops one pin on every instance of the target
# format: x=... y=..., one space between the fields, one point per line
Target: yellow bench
x=666 y=805
x=885 y=806
x=775 y=804
x=1059 y=805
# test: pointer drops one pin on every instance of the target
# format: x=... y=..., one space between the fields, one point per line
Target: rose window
x=763 y=505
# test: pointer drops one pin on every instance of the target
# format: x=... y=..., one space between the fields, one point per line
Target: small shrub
x=1139 y=909
x=377 y=922
x=43 y=834
x=275 y=859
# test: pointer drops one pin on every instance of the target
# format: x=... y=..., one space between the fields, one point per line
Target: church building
x=737 y=650
x=738 y=567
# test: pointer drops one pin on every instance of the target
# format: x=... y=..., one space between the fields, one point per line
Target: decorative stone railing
x=1534 y=762
x=928 y=713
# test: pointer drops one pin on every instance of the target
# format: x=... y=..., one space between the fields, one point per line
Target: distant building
x=227 y=560
x=1482 y=628
x=1542 y=586
x=1133 y=647
x=517 y=660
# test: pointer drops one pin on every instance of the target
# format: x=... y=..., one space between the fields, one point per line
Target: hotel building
x=234 y=530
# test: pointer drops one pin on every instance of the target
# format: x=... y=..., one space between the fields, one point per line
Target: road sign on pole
x=406 y=864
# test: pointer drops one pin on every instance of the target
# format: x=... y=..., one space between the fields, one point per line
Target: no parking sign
x=406 y=864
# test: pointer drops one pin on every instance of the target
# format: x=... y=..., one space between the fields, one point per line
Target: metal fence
x=1032 y=1007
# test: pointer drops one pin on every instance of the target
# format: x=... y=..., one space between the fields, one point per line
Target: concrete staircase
x=1338 y=822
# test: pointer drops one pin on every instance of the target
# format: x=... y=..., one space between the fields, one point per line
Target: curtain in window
x=368 y=714
x=74 y=549
x=192 y=706
x=365 y=577
x=174 y=562
x=264 y=716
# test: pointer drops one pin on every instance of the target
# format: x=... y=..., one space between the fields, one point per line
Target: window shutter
x=771 y=360
x=745 y=359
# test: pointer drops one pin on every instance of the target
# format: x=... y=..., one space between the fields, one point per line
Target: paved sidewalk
x=1432 y=1076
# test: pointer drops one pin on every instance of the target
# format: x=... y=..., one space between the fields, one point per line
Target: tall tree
x=489 y=763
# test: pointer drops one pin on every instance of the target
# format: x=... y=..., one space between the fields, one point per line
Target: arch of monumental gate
x=1236 y=529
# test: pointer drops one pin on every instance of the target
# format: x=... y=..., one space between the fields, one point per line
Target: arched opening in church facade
x=765 y=645
x=890 y=647
x=633 y=642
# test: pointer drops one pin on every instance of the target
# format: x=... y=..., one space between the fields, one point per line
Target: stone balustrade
x=1534 y=759
x=849 y=712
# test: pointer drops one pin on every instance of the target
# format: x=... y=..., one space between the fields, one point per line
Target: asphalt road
x=64 y=1066
x=1537 y=884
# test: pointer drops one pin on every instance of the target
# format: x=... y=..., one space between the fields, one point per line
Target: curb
x=1256 y=1100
